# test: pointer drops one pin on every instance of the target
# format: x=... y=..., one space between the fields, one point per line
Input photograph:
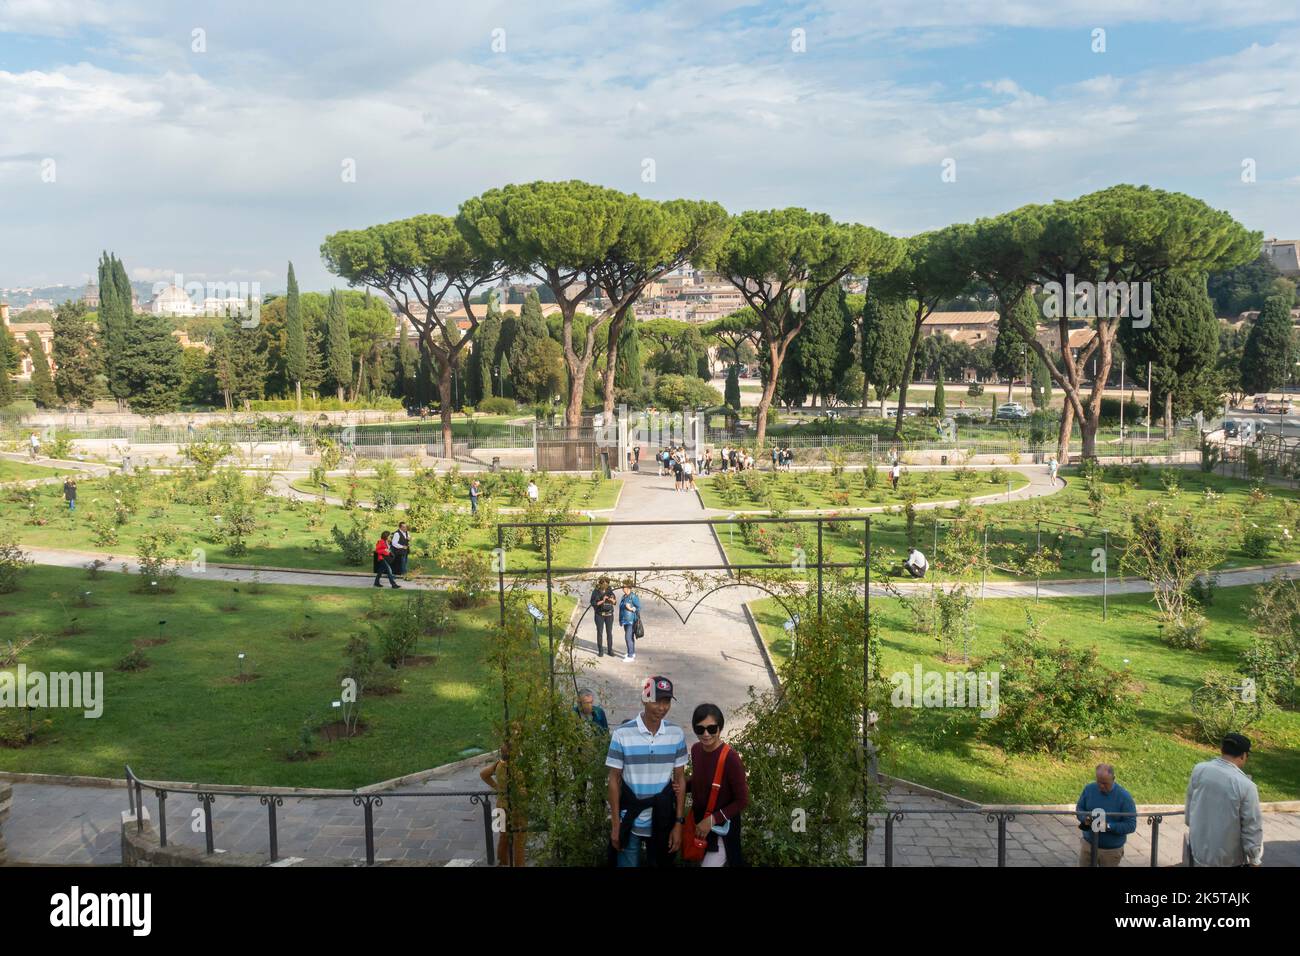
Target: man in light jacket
x=1224 y=827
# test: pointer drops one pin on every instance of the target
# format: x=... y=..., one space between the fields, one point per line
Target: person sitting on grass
x=916 y=565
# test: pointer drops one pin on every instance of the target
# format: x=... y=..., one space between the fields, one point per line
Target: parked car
x=1011 y=412
x=1239 y=429
x=1266 y=407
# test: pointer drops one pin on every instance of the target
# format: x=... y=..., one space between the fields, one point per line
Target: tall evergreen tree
x=732 y=393
x=150 y=370
x=114 y=317
x=75 y=355
x=338 y=350
x=1040 y=384
x=1266 y=359
x=628 y=371
x=484 y=356
x=940 y=397
x=296 y=346
x=505 y=382
x=7 y=353
x=824 y=348
x=42 y=384
x=886 y=338
x=241 y=362
x=1009 y=354
x=1180 y=343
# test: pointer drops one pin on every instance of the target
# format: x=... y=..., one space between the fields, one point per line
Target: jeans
x=473 y=504
x=607 y=623
x=385 y=569
x=629 y=639
x=398 y=560
x=630 y=854
x=72 y=504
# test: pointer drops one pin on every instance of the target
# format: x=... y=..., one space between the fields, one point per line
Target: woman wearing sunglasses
x=721 y=827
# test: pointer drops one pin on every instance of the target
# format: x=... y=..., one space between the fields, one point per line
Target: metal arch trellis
x=821 y=565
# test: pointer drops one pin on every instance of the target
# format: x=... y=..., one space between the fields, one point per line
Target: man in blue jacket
x=629 y=612
x=1097 y=804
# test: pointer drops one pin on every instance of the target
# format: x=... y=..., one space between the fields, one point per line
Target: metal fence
x=363 y=436
x=206 y=796
x=1003 y=817
x=968 y=443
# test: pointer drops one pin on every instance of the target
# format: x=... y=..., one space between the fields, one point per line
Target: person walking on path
x=70 y=493
x=1224 y=827
x=602 y=604
x=727 y=800
x=776 y=458
x=895 y=473
x=1052 y=465
x=647 y=782
x=35 y=442
x=473 y=496
x=401 y=547
x=688 y=475
x=587 y=709
x=708 y=461
x=532 y=490
x=383 y=554
x=629 y=616
x=1098 y=801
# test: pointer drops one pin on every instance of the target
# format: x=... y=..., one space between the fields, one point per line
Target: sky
x=218 y=141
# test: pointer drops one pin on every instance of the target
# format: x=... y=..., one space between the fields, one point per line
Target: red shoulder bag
x=693 y=847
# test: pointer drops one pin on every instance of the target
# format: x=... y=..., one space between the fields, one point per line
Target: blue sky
x=223 y=161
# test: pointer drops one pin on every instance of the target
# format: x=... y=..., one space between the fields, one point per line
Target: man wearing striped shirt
x=647 y=755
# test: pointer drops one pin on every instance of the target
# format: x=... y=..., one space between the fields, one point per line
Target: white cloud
x=233 y=157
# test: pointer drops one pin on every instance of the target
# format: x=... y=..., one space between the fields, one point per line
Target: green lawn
x=788 y=490
x=287 y=534
x=1072 y=525
x=580 y=493
x=1153 y=757
x=11 y=470
x=185 y=717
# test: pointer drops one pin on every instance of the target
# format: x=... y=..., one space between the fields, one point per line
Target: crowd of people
x=685 y=465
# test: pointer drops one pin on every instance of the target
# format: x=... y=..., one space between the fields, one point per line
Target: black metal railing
x=1004 y=816
x=368 y=801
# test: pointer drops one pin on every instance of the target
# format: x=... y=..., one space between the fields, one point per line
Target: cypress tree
x=732 y=394
x=6 y=361
x=1266 y=359
x=150 y=366
x=112 y=328
x=940 y=399
x=628 y=369
x=507 y=386
x=1041 y=384
x=296 y=346
x=42 y=385
x=75 y=355
x=338 y=349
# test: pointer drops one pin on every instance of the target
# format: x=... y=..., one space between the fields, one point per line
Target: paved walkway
x=713 y=656
x=57 y=824
x=940 y=837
